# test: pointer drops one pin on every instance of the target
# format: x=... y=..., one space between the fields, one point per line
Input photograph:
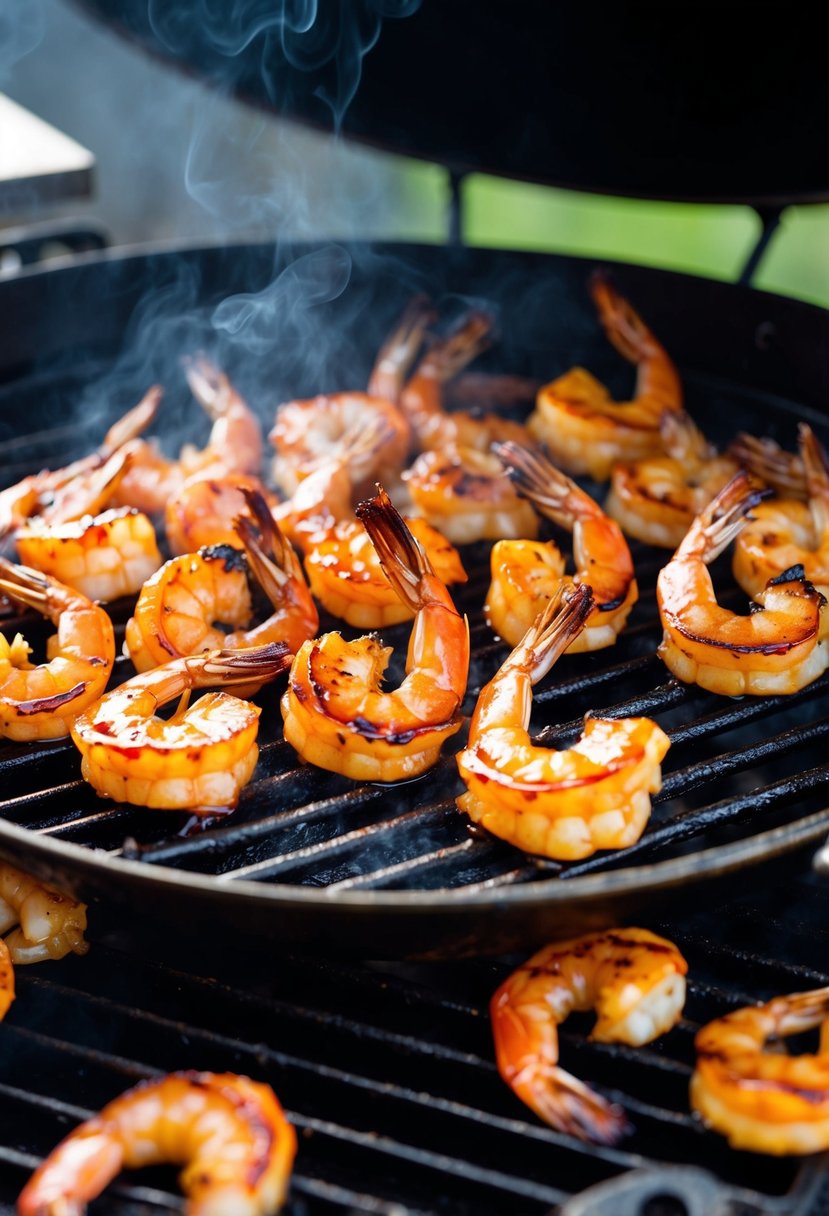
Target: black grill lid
x=622 y=99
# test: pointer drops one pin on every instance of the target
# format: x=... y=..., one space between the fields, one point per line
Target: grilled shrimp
x=51 y=924
x=6 y=980
x=525 y=574
x=633 y=979
x=204 y=511
x=466 y=495
x=230 y=1132
x=335 y=714
x=422 y=399
x=199 y=759
x=774 y=650
x=102 y=556
x=188 y=606
x=587 y=431
x=234 y=446
x=759 y=1097
x=786 y=533
x=559 y=804
x=308 y=433
x=768 y=462
x=656 y=500
x=41 y=701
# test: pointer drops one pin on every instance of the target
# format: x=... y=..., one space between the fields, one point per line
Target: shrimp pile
x=636 y=983
x=558 y=804
x=760 y=1098
x=526 y=573
x=585 y=430
x=198 y=760
x=335 y=714
x=229 y=1132
x=776 y=649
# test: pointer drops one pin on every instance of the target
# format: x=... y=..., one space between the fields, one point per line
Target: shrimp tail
x=724 y=517
x=90 y=494
x=404 y=561
x=260 y=663
x=397 y=353
x=207 y=383
x=624 y=327
x=538 y=480
x=571 y=1107
x=470 y=337
x=682 y=438
x=134 y=422
x=800 y=1012
x=771 y=464
x=556 y=626
x=24 y=585
x=815 y=462
x=269 y=552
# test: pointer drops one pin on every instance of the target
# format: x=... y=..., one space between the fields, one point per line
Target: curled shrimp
x=558 y=804
x=40 y=701
x=230 y=1132
x=633 y=979
x=335 y=714
x=760 y=1098
x=200 y=759
x=774 y=650
x=202 y=601
x=204 y=511
x=656 y=500
x=436 y=428
x=787 y=533
x=234 y=446
x=467 y=496
x=587 y=431
x=309 y=433
x=525 y=574
x=51 y=924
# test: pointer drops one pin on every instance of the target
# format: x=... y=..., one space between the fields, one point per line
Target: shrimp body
x=559 y=804
x=760 y=1098
x=656 y=500
x=51 y=924
x=633 y=979
x=466 y=495
x=335 y=714
x=204 y=511
x=6 y=980
x=788 y=533
x=526 y=574
x=229 y=1132
x=199 y=759
x=587 y=431
x=234 y=445
x=774 y=650
x=202 y=601
x=41 y=701
x=102 y=556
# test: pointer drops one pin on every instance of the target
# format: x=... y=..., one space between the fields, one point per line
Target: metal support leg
x=456 y=179
x=770 y=219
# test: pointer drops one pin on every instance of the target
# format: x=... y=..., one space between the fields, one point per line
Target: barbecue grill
x=386 y=1069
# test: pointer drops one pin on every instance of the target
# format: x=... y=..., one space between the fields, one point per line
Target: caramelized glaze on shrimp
x=204 y=511
x=587 y=431
x=559 y=804
x=198 y=760
x=633 y=979
x=526 y=574
x=229 y=1132
x=41 y=701
x=335 y=714
x=760 y=1099
x=51 y=924
x=774 y=650
x=466 y=495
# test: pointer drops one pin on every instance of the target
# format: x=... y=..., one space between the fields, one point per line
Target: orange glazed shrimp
x=40 y=702
x=188 y=605
x=656 y=500
x=467 y=496
x=335 y=714
x=200 y=759
x=234 y=446
x=526 y=573
x=633 y=979
x=786 y=533
x=204 y=511
x=6 y=980
x=229 y=1132
x=51 y=924
x=587 y=431
x=774 y=650
x=559 y=804
x=760 y=1098
x=422 y=399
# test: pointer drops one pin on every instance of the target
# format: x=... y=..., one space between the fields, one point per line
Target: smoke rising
x=21 y=31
